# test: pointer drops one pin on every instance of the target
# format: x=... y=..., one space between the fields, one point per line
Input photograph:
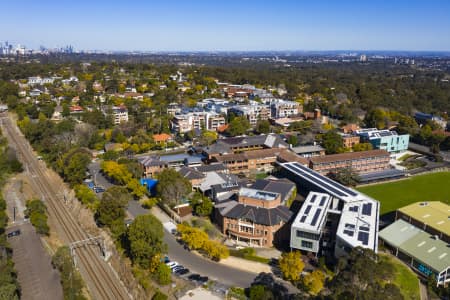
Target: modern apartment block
x=384 y=139
x=252 y=112
x=361 y=162
x=340 y=222
x=196 y=120
x=284 y=109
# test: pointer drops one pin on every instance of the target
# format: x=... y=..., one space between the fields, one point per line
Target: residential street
x=197 y=264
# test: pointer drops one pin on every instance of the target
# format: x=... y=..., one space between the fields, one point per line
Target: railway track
x=99 y=277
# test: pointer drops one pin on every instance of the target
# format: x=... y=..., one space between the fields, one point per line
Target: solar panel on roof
x=316 y=216
x=303 y=218
x=363 y=237
x=331 y=185
x=313 y=198
x=367 y=209
x=322 y=201
x=363 y=228
x=308 y=209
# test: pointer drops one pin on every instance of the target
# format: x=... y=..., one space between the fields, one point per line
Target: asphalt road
x=196 y=264
x=38 y=279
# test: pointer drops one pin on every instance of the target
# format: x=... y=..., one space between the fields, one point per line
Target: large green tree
x=238 y=126
x=172 y=186
x=145 y=238
x=111 y=209
x=332 y=142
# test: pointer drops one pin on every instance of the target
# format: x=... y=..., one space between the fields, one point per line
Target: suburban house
x=162 y=138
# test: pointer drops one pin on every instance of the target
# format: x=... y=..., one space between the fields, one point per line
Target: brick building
x=361 y=162
x=257 y=218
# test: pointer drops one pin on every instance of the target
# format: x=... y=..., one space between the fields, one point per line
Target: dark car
x=99 y=189
x=14 y=233
x=203 y=279
x=194 y=277
x=182 y=271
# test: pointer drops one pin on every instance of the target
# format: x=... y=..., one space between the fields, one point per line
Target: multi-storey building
x=262 y=160
x=384 y=139
x=333 y=219
x=258 y=218
x=284 y=109
x=196 y=120
x=350 y=140
x=120 y=114
x=253 y=113
x=361 y=162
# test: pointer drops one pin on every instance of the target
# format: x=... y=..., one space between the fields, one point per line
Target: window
x=307 y=235
x=306 y=244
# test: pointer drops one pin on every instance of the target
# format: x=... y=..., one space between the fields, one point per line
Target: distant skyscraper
x=363 y=58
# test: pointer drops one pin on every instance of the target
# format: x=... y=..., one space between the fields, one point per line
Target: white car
x=172 y=264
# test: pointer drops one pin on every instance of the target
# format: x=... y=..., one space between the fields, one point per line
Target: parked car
x=14 y=233
x=182 y=271
x=177 y=268
x=99 y=189
x=172 y=264
x=165 y=259
x=203 y=279
x=194 y=277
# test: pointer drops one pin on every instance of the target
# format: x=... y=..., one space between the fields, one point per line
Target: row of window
x=307 y=235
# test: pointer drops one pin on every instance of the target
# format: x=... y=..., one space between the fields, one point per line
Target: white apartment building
x=285 y=109
x=252 y=112
x=196 y=120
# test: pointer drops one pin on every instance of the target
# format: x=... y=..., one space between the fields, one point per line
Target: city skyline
x=229 y=26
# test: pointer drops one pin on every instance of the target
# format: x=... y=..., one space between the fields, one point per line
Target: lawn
x=405 y=278
x=393 y=195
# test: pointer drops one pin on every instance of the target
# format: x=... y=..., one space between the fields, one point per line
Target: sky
x=232 y=25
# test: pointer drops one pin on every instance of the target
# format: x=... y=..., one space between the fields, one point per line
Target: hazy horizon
x=229 y=26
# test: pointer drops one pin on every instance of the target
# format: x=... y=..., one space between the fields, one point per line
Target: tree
x=345 y=176
x=292 y=140
x=238 y=126
x=362 y=147
x=260 y=292
x=112 y=206
x=314 y=281
x=376 y=118
x=291 y=265
x=159 y=296
x=87 y=197
x=172 y=186
x=145 y=239
x=332 y=142
x=74 y=165
x=71 y=281
x=202 y=205
x=37 y=213
x=208 y=137
x=263 y=126
x=163 y=274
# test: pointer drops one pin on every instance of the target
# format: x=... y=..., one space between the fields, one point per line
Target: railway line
x=97 y=274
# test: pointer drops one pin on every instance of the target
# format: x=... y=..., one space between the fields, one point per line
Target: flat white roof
x=312 y=214
x=358 y=224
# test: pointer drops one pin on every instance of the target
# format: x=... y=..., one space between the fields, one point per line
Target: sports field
x=393 y=195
